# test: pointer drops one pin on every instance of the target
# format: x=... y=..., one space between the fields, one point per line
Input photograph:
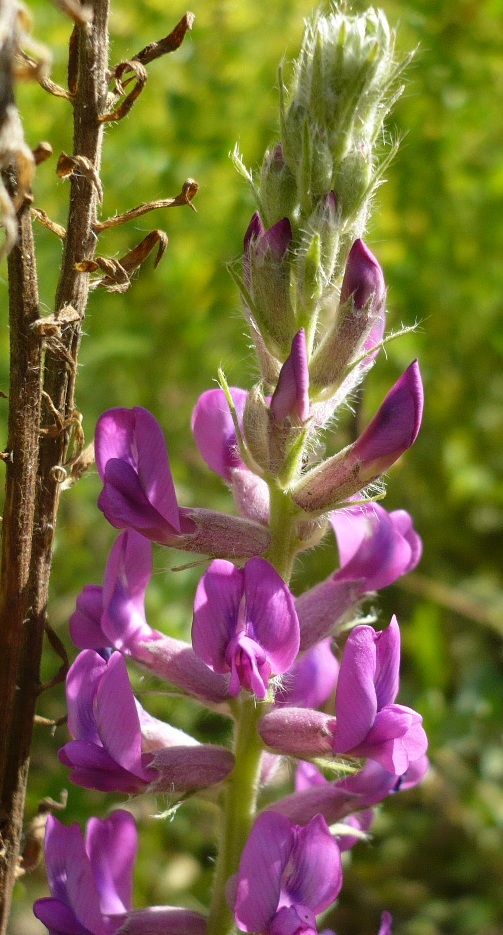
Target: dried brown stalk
x=45 y=450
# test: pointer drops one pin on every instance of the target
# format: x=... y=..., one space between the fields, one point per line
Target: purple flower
x=392 y=431
x=138 y=491
x=106 y=752
x=91 y=883
x=214 y=430
x=368 y=722
x=119 y=747
x=90 y=878
x=114 y=615
x=375 y=546
x=291 y=396
x=245 y=623
x=311 y=679
x=287 y=875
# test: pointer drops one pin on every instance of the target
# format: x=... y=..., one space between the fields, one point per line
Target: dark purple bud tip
x=363 y=278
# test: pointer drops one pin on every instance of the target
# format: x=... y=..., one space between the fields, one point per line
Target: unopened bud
x=360 y=308
x=392 y=431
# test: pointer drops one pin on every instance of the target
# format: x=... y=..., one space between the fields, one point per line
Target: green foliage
x=435 y=861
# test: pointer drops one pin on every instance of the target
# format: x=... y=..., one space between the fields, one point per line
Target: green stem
x=239 y=810
x=281 y=552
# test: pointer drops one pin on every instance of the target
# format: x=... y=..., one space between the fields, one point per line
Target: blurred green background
x=436 y=857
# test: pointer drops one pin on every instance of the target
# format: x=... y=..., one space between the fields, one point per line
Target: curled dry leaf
x=116 y=273
x=136 y=72
x=188 y=192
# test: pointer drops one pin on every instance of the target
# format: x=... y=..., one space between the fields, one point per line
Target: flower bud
x=267 y=277
x=277 y=187
x=342 y=87
x=360 y=308
x=392 y=431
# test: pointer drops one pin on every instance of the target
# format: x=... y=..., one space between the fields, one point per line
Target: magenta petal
x=395 y=426
x=291 y=396
x=264 y=858
x=214 y=430
x=117 y=718
x=355 y=699
x=82 y=681
x=85 y=622
x=93 y=768
x=58 y=917
x=271 y=618
x=127 y=575
x=397 y=738
x=70 y=875
x=316 y=876
x=402 y=521
x=386 y=680
x=135 y=437
x=276 y=239
x=125 y=503
x=112 y=844
x=216 y=609
x=254 y=230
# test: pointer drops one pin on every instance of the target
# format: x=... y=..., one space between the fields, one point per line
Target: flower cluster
x=298 y=675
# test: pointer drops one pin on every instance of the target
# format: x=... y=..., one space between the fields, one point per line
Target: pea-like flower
x=138 y=491
x=375 y=548
x=119 y=747
x=287 y=875
x=90 y=878
x=245 y=623
x=368 y=723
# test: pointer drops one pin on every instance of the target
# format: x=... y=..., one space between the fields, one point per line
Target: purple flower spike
x=291 y=396
x=138 y=492
x=375 y=546
x=245 y=623
x=90 y=879
x=114 y=615
x=214 y=430
x=392 y=431
x=368 y=723
x=287 y=875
